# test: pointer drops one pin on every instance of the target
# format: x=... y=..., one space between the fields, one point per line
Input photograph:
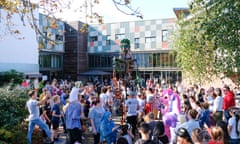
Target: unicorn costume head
x=172 y=101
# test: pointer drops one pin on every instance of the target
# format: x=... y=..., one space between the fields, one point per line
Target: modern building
x=51 y=46
x=151 y=46
x=18 y=45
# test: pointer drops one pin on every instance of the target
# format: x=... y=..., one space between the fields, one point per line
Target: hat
x=182 y=132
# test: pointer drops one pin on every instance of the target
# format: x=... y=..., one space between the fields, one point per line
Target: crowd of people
x=157 y=113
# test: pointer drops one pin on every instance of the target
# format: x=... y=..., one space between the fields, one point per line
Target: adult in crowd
x=108 y=130
x=145 y=131
x=159 y=132
x=73 y=114
x=200 y=136
x=204 y=117
x=46 y=114
x=218 y=105
x=34 y=119
x=234 y=126
x=201 y=95
x=149 y=100
x=131 y=108
x=191 y=124
x=183 y=137
x=103 y=96
x=150 y=119
x=217 y=135
x=109 y=98
x=224 y=125
x=141 y=103
x=96 y=114
x=228 y=101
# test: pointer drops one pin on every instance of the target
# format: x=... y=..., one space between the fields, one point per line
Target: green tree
x=207 y=42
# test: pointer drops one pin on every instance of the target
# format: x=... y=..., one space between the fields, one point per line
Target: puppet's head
x=125 y=45
x=171 y=101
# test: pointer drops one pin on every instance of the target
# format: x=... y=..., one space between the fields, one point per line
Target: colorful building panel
x=150 y=35
x=151 y=44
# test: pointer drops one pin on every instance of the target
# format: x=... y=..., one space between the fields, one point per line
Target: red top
x=229 y=100
x=215 y=142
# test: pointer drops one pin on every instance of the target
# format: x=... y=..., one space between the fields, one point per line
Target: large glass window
x=149 y=41
x=137 y=43
x=164 y=59
x=164 y=35
x=156 y=60
x=51 y=61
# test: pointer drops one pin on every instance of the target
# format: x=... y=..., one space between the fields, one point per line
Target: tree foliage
x=208 y=40
x=11 y=77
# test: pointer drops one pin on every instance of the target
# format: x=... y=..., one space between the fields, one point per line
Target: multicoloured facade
x=51 y=46
x=151 y=46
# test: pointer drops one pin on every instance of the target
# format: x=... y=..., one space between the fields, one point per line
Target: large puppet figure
x=170 y=109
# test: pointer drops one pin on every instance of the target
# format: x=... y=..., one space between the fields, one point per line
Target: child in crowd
x=56 y=115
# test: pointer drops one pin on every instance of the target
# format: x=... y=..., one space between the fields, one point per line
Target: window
x=149 y=41
x=108 y=40
x=93 y=38
x=119 y=36
x=59 y=37
x=164 y=35
x=164 y=59
x=136 y=43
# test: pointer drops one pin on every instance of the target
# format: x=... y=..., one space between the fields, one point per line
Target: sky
x=151 y=9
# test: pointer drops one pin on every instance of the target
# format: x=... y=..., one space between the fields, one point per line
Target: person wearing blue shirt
x=95 y=115
x=73 y=114
x=56 y=115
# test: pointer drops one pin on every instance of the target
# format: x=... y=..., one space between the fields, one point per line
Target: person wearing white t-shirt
x=109 y=98
x=234 y=127
x=218 y=105
x=141 y=103
x=102 y=96
x=131 y=108
x=34 y=118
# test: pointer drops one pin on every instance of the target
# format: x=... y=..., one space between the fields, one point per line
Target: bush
x=13 y=114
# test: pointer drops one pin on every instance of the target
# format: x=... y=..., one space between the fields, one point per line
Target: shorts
x=55 y=125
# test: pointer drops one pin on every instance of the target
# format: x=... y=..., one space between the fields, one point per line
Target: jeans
x=226 y=115
x=234 y=141
x=31 y=126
